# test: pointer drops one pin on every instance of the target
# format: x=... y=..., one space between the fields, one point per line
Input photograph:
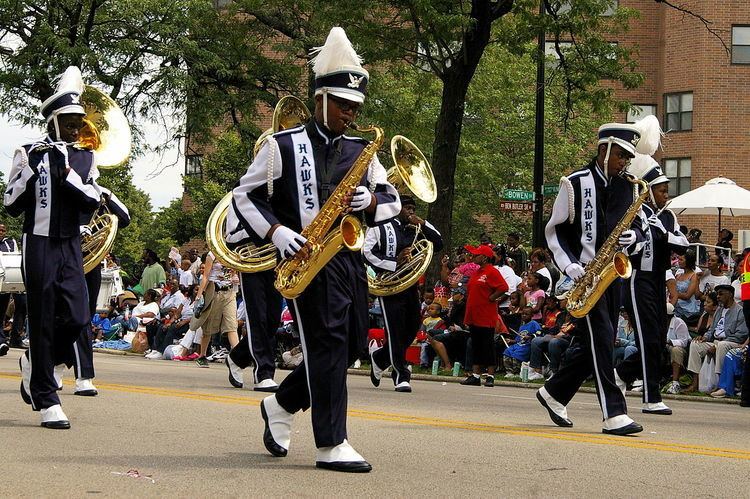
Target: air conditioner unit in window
x=743 y=240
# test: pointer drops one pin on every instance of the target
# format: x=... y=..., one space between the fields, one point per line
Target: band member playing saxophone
x=307 y=164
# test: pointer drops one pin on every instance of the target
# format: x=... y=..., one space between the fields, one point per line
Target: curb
x=583 y=389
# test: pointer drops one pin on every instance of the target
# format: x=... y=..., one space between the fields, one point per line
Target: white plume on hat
x=337 y=54
x=651 y=135
x=70 y=81
x=641 y=164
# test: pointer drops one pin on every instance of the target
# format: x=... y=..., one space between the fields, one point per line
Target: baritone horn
x=106 y=132
x=247 y=257
x=411 y=170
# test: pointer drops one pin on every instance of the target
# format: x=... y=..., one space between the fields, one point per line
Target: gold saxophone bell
x=247 y=257
x=411 y=170
x=105 y=131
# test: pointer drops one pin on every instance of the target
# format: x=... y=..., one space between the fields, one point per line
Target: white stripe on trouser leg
x=639 y=329
x=78 y=357
x=306 y=359
x=248 y=335
x=600 y=390
x=28 y=333
x=390 y=340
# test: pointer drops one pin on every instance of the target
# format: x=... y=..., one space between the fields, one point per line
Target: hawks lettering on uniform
x=307 y=181
x=390 y=240
x=43 y=181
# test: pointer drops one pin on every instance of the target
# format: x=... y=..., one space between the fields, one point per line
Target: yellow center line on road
x=630 y=442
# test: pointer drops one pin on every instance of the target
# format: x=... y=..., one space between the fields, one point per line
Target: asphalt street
x=172 y=429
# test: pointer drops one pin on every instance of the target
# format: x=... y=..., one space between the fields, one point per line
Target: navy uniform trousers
x=591 y=350
x=57 y=308
x=401 y=315
x=84 y=364
x=646 y=303
x=331 y=316
x=263 y=307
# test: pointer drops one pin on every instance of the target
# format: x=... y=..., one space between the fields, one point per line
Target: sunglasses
x=345 y=105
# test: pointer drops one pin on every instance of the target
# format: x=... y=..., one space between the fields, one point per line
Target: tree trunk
x=444 y=156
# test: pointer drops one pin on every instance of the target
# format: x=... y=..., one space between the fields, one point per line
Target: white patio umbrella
x=719 y=195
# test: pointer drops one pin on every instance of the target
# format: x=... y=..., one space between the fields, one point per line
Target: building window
x=565 y=7
x=740 y=44
x=678 y=170
x=639 y=111
x=679 y=112
x=194 y=164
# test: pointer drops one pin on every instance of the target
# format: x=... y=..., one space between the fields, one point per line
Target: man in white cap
x=590 y=204
x=645 y=296
x=50 y=184
x=290 y=179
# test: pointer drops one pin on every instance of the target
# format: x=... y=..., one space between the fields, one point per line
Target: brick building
x=699 y=92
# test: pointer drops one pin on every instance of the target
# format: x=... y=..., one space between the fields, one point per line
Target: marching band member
x=50 y=184
x=589 y=205
x=306 y=164
x=645 y=292
x=387 y=246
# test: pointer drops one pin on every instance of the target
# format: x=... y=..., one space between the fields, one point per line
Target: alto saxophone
x=294 y=274
x=608 y=264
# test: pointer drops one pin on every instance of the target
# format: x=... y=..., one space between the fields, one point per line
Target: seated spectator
x=512 y=316
x=510 y=276
x=376 y=314
x=292 y=358
x=731 y=372
x=710 y=305
x=728 y=331
x=146 y=311
x=686 y=282
x=179 y=325
x=519 y=347
x=713 y=277
x=555 y=341
x=171 y=303
x=551 y=315
x=102 y=327
x=678 y=342
x=427 y=298
x=534 y=295
x=538 y=263
x=185 y=275
x=433 y=325
x=625 y=340
x=451 y=343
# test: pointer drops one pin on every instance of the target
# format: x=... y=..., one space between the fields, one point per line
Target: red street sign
x=516 y=206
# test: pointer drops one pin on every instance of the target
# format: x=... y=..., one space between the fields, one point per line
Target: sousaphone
x=247 y=257
x=411 y=170
x=106 y=132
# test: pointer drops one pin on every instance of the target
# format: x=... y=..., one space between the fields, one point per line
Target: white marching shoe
x=25 y=364
x=235 y=372
x=54 y=418
x=266 y=385
x=558 y=413
x=277 y=434
x=656 y=408
x=621 y=425
x=341 y=457
x=85 y=388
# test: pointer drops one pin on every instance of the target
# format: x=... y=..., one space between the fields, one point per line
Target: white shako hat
x=642 y=137
x=643 y=165
x=66 y=99
x=338 y=70
x=67 y=96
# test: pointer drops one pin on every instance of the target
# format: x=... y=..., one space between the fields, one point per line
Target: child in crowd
x=102 y=327
x=625 y=340
x=512 y=315
x=431 y=325
x=519 y=347
x=427 y=298
x=534 y=295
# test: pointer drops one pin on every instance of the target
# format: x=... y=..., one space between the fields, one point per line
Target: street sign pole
x=538 y=225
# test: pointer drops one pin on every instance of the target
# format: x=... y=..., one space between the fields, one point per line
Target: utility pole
x=538 y=227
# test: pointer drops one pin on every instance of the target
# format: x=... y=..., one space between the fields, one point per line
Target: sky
x=162 y=188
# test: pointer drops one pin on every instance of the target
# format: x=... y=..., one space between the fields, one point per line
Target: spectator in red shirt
x=486 y=286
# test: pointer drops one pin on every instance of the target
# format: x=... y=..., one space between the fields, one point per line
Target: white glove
x=654 y=221
x=626 y=238
x=85 y=230
x=287 y=241
x=574 y=271
x=361 y=199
